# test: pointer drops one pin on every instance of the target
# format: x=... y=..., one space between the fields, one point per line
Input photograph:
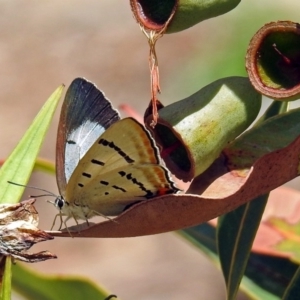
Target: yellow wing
x=121 y=168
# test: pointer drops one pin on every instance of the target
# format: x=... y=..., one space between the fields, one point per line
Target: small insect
x=103 y=164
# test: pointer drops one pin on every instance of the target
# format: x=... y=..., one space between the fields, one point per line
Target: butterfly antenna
x=34 y=187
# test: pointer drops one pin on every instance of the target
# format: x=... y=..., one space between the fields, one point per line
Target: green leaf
x=19 y=164
x=271 y=273
x=6 y=282
x=44 y=165
x=261 y=140
x=266 y=277
x=35 y=286
x=276 y=108
x=236 y=232
x=293 y=290
x=254 y=291
x=241 y=225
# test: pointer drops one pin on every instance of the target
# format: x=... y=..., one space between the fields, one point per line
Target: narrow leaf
x=19 y=164
x=270 y=136
x=255 y=292
x=236 y=232
x=266 y=277
x=44 y=165
x=35 y=286
x=276 y=108
x=245 y=222
x=271 y=273
x=6 y=281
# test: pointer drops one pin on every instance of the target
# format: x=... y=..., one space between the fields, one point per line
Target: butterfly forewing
x=85 y=115
x=125 y=142
x=122 y=167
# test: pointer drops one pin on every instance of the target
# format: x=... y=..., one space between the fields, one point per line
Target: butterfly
x=104 y=164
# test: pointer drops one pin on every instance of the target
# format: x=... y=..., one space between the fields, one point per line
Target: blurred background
x=46 y=43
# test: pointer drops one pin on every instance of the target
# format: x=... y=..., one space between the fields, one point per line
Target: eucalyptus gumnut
x=193 y=132
x=273 y=60
x=176 y=15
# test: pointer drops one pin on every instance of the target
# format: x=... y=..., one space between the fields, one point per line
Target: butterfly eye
x=59 y=202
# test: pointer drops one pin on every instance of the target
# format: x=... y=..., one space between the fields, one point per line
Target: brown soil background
x=46 y=43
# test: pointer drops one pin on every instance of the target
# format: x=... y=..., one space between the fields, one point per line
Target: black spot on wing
x=117 y=149
x=80 y=185
x=148 y=193
x=119 y=188
x=70 y=142
x=106 y=183
x=86 y=175
x=97 y=162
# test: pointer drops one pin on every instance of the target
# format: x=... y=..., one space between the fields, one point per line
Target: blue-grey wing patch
x=86 y=113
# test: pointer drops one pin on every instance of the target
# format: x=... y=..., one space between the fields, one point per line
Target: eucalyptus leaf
x=266 y=277
x=241 y=226
x=6 y=280
x=236 y=232
x=44 y=165
x=276 y=108
x=35 y=286
x=19 y=165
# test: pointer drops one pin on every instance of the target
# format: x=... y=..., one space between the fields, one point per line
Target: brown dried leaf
x=20 y=211
x=32 y=257
x=18 y=232
x=222 y=191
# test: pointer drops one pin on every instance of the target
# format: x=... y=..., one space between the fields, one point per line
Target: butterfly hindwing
x=85 y=115
x=111 y=194
x=121 y=167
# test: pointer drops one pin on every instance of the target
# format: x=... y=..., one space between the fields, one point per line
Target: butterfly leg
x=73 y=218
x=65 y=223
x=61 y=220
x=60 y=215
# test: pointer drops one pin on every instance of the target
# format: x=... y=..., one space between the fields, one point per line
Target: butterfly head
x=59 y=203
